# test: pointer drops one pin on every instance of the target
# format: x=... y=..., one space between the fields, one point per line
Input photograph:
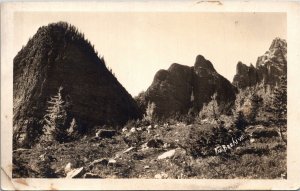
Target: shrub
x=240 y=121
x=249 y=103
x=201 y=142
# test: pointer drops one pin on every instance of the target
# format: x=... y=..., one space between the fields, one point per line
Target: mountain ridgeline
x=183 y=89
x=58 y=56
x=58 y=62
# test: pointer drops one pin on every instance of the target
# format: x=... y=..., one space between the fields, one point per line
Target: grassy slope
x=264 y=158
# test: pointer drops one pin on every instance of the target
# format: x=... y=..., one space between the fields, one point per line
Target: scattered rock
x=166 y=145
x=75 y=173
x=68 y=167
x=162 y=175
x=252 y=140
x=144 y=147
x=102 y=161
x=105 y=133
x=167 y=154
x=139 y=129
x=42 y=157
x=124 y=129
x=155 y=143
x=146 y=167
x=133 y=129
x=91 y=175
x=111 y=162
x=129 y=149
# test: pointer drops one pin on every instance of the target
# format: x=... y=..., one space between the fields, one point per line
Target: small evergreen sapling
x=150 y=112
x=211 y=111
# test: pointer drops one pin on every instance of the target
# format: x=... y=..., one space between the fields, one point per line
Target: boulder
x=68 y=168
x=91 y=175
x=168 y=154
x=76 y=173
x=111 y=162
x=105 y=133
x=129 y=149
x=102 y=161
x=162 y=175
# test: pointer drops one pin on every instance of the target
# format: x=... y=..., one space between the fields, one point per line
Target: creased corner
x=6 y=181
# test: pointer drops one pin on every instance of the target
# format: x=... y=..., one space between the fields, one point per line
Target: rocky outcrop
x=59 y=56
x=207 y=81
x=246 y=76
x=171 y=90
x=269 y=67
x=182 y=88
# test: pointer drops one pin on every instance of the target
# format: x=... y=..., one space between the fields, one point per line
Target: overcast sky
x=137 y=45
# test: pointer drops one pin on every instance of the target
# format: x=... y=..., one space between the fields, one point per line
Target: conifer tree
x=279 y=107
x=280 y=101
x=150 y=112
x=211 y=110
x=55 y=118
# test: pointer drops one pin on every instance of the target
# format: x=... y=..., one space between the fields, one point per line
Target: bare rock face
x=59 y=56
x=171 y=90
x=207 y=81
x=246 y=76
x=181 y=88
x=269 y=67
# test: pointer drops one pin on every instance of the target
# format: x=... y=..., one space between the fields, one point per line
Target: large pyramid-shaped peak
x=59 y=56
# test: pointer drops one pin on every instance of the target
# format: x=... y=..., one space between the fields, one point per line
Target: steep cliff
x=181 y=88
x=59 y=56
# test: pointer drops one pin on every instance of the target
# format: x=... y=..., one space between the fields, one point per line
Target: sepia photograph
x=148 y=95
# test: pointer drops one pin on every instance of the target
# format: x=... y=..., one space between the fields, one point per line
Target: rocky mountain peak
x=202 y=63
x=269 y=67
x=58 y=56
x=181 y=88
x=278 y=43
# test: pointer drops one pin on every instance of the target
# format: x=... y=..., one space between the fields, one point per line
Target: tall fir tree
x=280 y=101
x=279 y=107
x=55 y=118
